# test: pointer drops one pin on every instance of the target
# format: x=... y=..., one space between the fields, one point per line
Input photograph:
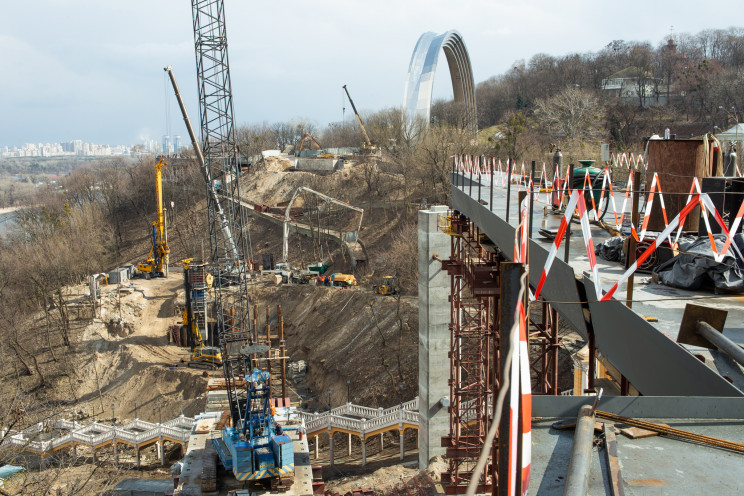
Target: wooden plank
x=613 y=465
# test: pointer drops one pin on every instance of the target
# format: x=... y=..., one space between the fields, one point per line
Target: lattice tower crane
x=227 y=241
x=254 y=447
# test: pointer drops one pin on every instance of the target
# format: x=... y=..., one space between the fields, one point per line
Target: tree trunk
x=20 y=358
x=49 y=332
x=64 y=318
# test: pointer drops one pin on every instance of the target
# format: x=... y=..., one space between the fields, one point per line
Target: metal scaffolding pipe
x=722 y=342
x=577 y=479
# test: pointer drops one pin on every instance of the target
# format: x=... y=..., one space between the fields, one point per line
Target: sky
x=93 y=70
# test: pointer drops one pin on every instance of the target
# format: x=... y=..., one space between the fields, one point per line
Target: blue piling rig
x=258 y=449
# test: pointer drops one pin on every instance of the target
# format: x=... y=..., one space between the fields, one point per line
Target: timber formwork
x=473 y=268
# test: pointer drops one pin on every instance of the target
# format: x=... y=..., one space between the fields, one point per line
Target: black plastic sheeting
x=696 y=267
x=611 y=249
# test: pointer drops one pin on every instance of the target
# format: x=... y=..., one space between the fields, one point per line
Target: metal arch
x=423 y=66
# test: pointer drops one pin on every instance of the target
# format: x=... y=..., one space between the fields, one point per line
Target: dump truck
x=343 y=280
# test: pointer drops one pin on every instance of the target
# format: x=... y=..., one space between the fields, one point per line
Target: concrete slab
x=190 y=481
x=651 y=466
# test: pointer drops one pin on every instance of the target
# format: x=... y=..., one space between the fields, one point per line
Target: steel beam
x=559 y=288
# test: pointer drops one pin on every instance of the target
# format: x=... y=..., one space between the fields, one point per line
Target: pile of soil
x=123 y=356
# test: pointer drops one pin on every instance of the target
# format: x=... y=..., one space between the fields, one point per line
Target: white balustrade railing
x=135 y=432
x=371 y=418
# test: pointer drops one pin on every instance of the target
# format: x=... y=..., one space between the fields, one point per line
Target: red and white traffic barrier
x=577 y=198
x=679 y=220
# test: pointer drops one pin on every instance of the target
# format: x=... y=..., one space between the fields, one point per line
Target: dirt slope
x=123 y=356
x=347 y=334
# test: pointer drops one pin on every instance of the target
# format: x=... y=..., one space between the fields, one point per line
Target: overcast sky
x=93 y=70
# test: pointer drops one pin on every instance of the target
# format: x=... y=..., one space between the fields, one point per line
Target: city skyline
x=169 y=145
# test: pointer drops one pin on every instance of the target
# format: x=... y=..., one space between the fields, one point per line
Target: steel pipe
x=722 y=342
x=577 y=479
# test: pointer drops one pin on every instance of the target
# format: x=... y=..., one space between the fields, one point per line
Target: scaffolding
x=474 y=294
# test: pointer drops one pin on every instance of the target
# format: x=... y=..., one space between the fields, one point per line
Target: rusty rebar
x=671 y=431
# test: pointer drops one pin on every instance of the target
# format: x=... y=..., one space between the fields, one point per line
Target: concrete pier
x=433 y=290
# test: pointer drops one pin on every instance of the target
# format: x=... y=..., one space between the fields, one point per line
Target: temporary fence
x=479 y=167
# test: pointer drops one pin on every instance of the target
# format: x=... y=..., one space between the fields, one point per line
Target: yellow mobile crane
x=368 y=143
x=156 y=264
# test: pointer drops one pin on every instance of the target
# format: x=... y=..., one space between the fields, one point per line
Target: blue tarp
x=8 y=470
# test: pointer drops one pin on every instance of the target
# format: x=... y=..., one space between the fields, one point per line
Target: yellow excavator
x=388 y=286
x=307 y=136
x=156 y=264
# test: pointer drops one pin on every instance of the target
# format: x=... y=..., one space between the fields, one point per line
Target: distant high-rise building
x=177 y=145
x=166 y=145
x=78 y=147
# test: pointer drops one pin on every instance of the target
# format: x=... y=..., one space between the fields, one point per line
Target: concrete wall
x=318 y=164
x=434 y=335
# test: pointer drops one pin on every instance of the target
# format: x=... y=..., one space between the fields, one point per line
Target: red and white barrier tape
x=520 y=407
x=655 y=184
x=678 y=220
x=628 y=160
x=576 y=197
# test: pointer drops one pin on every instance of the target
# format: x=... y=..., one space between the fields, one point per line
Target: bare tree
x=574 y=114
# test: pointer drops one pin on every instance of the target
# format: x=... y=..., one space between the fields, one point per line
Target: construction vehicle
x=156 y=264
x=252 y=449
x=388 y=286
x=257 y=448
x=367 y=143
x=196 y=284
x=206 y=356
x=302 y=143
x=214 y=205
x=343 y=280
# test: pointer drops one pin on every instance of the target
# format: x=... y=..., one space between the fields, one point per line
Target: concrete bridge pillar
x=434 y=334
x=316 y=446
x=161 y=450
x=137 y=455
x=382 y=442
x=349 y=444
x=364 y=450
